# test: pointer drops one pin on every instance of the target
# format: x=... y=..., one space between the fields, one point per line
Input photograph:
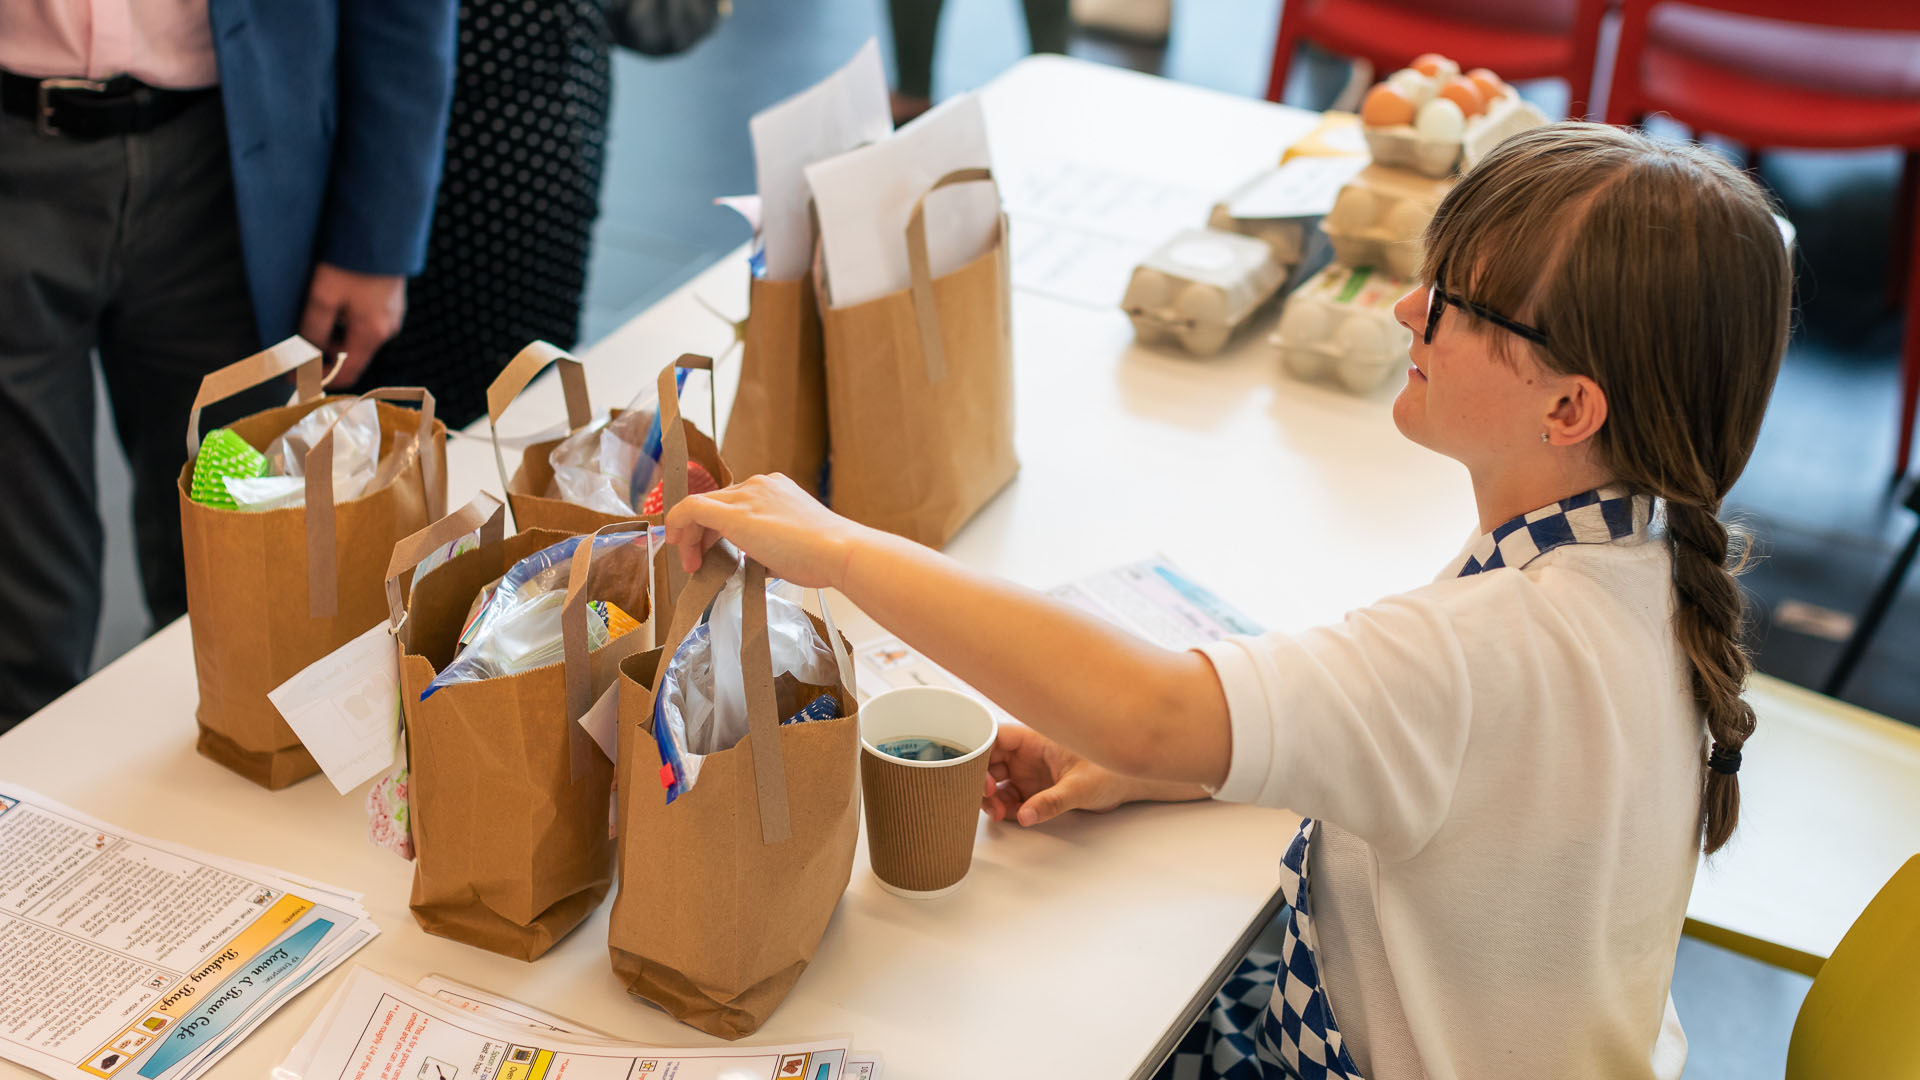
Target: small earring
x=1543 y=437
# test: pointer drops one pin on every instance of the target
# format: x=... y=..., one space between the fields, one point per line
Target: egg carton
x=1402 y=146
x=1339 y=324
x=1196 y=289
x=1380 y=218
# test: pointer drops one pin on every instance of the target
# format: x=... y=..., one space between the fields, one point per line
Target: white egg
x=1418 y=88
x=1440 y=120
x=1362 y=375
x=1408 y=221
x=1303 y=323
x=1304 y=362
x=1354 y=208
x=1361 y=340
x=1202 y=310
x=1150 y=290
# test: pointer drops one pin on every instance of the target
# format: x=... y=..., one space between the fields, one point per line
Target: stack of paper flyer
x=379 y=1029
x=124 y=957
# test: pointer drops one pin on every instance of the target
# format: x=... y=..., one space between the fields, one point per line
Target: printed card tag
x=345 y=707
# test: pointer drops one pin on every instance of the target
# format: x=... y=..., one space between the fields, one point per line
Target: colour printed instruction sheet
x=123 y=956
x=378 y=1029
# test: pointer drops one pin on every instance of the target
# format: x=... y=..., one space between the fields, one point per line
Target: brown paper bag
x=270 y=592
x=507 y=795
x=779 y=418
x=724 y=894
x=920 y=392
x=527 y=489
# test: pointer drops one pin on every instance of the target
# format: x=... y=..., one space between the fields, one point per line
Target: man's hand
x=1031 y=779
x=368 y=306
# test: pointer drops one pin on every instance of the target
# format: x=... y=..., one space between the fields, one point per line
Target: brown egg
x=1489 y=84
x=1386 y=106
x=1462 y=92
x=1433 y=64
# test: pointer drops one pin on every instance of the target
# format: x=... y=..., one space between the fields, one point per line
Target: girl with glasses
x=1511 y=771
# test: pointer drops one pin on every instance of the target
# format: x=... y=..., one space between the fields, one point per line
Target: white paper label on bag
x=345 y=707
x=602 y=721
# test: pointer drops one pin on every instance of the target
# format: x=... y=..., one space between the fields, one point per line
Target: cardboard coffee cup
x=923 y=809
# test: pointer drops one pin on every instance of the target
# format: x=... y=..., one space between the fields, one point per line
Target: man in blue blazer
x=181 y=183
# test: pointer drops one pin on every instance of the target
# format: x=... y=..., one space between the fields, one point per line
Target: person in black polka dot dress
x=513 y=224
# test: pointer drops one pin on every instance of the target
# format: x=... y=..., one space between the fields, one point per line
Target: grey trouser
x=129 y=245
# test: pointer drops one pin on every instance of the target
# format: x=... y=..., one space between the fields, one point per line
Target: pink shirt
x=160 y=42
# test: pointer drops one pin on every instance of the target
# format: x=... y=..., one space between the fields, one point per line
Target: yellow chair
x=1862 y=1016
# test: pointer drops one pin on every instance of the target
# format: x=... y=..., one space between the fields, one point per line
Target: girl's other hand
x=1031 y=779
x=774 y=522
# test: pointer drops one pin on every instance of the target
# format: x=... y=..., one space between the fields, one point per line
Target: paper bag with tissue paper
x=605 y=468
x=270 y=592
x=779 y=418
x=757 y=854
x=507 y=796
x=917 y=323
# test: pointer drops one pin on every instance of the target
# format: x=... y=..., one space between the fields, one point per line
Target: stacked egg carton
x=1420 y=125
x=1197 y=289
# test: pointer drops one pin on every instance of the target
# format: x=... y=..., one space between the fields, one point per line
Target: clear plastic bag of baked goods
x=516 y=627
x=701 y=708
x=594 y=467
x=356 y=458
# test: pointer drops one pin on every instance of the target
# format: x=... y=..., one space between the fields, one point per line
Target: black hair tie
x=1723 y=760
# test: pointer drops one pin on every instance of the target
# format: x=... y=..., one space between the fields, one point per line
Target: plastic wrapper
x=609 y=464
x=356 y=457
x=701 y=708
x=518 y=626
x=597 y=466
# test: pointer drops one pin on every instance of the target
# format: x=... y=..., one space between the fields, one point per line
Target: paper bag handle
x=322 y=574
x=756 y=670
x=674 y=454
x=484 y=513
x=933 y=348
x=513 y=380
x=573 y=639
x=296 y=354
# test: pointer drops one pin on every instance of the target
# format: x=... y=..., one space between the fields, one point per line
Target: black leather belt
x=92 y=109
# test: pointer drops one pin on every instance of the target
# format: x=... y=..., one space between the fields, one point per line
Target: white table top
x=1074 y=948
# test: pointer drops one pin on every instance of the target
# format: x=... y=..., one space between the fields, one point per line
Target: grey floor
x=1816 y=494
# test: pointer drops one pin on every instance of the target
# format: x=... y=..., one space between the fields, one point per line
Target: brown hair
x=1656 y=270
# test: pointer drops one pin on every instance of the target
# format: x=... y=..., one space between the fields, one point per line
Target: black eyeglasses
x=1438 y=299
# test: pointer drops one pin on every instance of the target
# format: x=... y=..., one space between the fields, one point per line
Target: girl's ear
x=1577 y=412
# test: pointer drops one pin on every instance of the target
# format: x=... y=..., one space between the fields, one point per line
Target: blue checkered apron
x=1272 y=1019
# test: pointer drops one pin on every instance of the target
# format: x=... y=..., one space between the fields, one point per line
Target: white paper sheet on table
x=1150 y=598
x=459 y=1033
x=865 y=197
x=846 y=109
x=1079 y=228
x=126 y=957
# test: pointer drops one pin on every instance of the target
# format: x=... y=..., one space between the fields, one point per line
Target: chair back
x=1859 y=1017
x=1849 y=15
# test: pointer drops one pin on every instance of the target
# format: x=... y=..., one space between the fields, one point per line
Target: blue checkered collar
x=1601 y=516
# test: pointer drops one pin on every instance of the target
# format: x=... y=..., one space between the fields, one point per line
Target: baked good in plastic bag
x=701 y=708
x=356 y=457
x=517 y=627
x=594 y=467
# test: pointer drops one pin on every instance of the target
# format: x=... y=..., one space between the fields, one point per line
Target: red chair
x=1518 y=39
x=1788 y=73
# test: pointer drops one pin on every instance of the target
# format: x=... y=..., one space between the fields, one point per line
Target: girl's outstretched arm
x=1124 y=703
